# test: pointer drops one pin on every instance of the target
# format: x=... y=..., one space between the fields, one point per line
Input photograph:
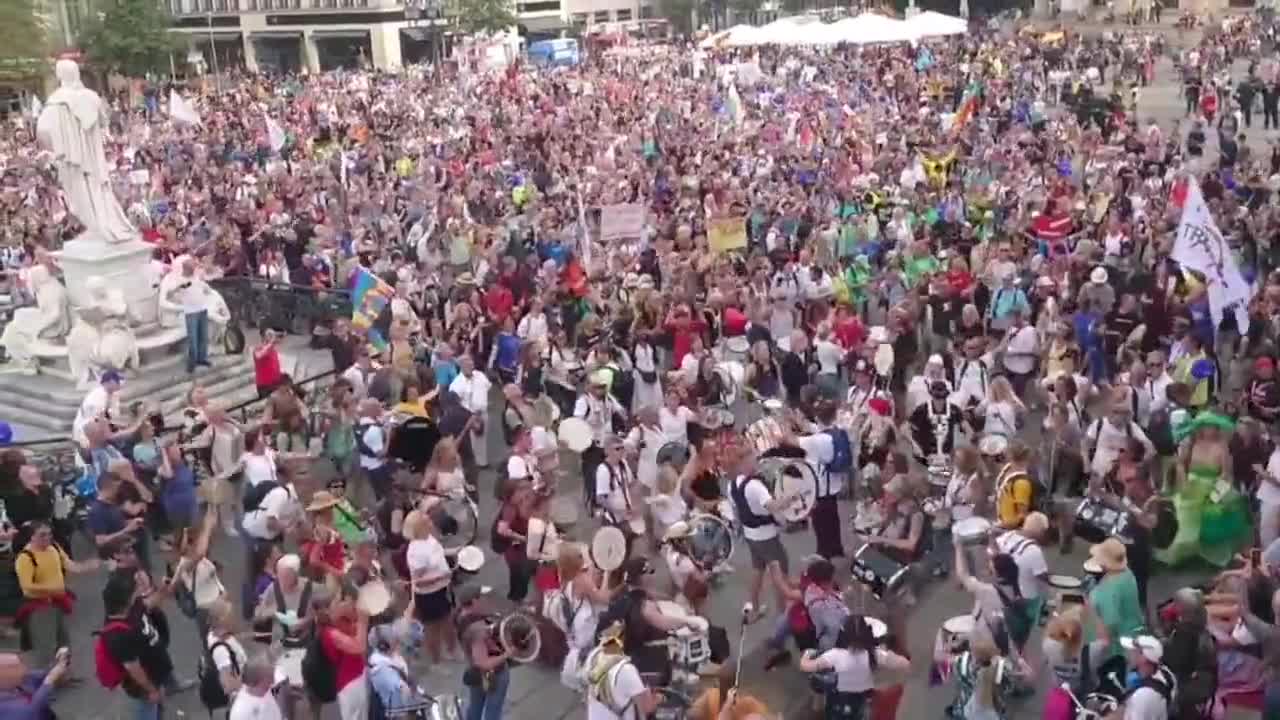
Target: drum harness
x=615 y=485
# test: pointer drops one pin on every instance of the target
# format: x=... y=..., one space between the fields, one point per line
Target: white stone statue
x=101 y=336
x=48 y=320
x=73 y=125
x=171 y=313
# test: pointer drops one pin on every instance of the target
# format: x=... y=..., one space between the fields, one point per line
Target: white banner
x=621 y=222
x=1200 y=246
x=181 y=110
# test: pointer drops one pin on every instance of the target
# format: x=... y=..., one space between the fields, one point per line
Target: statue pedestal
x=124 y=266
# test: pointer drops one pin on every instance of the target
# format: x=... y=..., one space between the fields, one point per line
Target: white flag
x=1200 y=246
x=275 y=134
x=736 y=112
x=36 y=107
x=181 y=110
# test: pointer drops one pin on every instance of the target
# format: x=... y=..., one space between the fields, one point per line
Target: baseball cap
x=1150 y=647
x=467 y=594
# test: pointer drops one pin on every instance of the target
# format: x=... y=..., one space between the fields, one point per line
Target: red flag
x=1178 y=196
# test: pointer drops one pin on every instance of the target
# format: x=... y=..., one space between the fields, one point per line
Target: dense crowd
x=920 y=301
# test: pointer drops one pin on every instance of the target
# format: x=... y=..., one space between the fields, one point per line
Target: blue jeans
x=197 y=339
x=487 y=705
x=144 y=709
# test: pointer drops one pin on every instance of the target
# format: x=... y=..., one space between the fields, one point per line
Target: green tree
x=485 y=16
x=24 y=44
x=679 y=13
x=130 y=37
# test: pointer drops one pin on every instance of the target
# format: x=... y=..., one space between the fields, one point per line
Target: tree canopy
x=130 y=37
x=485 y=16
x=24 y=41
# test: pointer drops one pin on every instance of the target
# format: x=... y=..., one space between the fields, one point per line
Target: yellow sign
x=727 y=234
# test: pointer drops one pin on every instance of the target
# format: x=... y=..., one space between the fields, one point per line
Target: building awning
x=340 y=34
x=277 y=35
x=546 y=23
x=201 y=37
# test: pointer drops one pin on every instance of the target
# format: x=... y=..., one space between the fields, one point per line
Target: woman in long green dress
x=1213 y=519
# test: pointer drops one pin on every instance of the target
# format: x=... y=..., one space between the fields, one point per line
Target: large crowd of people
x=915 y=304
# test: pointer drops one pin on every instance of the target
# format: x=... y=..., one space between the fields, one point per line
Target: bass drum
x=710 y=541
x=456 y=521
x=413 y=441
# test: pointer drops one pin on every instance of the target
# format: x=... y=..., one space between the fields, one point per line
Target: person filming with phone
x=192 y=295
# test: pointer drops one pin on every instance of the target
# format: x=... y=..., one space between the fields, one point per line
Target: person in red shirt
x=849 y=331
x=344 y=634
x=266 y=363
x=325 y=552
x=684 y=327
x=498 y=301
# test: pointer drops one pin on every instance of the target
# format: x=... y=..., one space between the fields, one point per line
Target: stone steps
x=50 y=403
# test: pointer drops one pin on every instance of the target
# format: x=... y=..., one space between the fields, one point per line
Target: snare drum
x=736 y=349
x=710 y=541
x=1067 y=589
x=879 y=572
x=955 y=633
x=764 y=434
x=1096 y=522
x=689 y=649
x=971 y=531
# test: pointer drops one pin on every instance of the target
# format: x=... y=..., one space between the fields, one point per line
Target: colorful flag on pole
x=181 y=110
x=1200 y=246
x=370 y=296
x=275 y=134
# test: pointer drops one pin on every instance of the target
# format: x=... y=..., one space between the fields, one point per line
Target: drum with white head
x=609 y=548
x=955 y=633
x=689 y=648
x=1067 y=590
x=971 y=531
x=735 y=349
x=710 y=541
x=793 y=478
x=575 y=434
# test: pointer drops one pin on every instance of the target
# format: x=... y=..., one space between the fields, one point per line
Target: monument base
x=125 y=266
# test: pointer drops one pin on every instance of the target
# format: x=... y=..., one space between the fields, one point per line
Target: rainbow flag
x=370 y=296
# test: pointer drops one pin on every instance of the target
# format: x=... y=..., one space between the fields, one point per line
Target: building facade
x=320 y=35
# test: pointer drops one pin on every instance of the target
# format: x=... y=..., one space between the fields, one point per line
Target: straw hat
x=321 y=500
x=1110 y=554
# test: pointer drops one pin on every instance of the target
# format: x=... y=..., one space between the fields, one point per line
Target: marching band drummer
x=827 y=449
x=755 y=506
x=615 y=486
x=644 y=441
x=690 y=581
x=598 y=408
x=934 y=424
x=583 y=589
x=862 y=392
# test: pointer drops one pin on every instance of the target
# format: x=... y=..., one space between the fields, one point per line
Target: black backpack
x=254 y=496
x=319 y=674
x=212 y=695
x=618 y=611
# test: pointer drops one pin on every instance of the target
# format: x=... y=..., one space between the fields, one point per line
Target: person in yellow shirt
x=1014 y=488
x=42 y=569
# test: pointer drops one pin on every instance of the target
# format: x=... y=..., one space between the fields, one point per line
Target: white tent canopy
x=935 y=24
x=867 y=28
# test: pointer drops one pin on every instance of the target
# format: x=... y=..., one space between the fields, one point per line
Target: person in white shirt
x=192 y=294
x=820 y=451
x=277 y=511
x=1158 y=381
x=972 y=374
x=225 y=649
x=829 y=356
x=1022 y=349
x=1149 y=701
x=1111 y=434
x=598 y=408
x=1269 y=497
x=1001 y=409
x=621 y=693
x=255 y=701
x=755 y=506
x=371 y=443
x=103 y=401
x=855 y=664
x=259 y=460
x=359 y=374
x=472 y=389
x=644 y=441
x=614 y=486
x=1023 y=546
x=674 y=418
x=918 y=389
x=533 y=326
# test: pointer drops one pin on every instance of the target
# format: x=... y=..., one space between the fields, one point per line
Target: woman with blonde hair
x=1070 y=659
x=429 y=577
x=1001 y=409
x=983 y=680
x=225 y=649
x=443 y=474
x=573 y=609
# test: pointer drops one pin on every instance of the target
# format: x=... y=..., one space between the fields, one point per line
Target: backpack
x=109 y=670
x=560 y=611
x=1039 y=497
x=254 y=496
x=842 y=449
x=319 y=674
x=600 y=679
x=617 y=611
x=497 y=542
x=212 y=694
x=361 y=445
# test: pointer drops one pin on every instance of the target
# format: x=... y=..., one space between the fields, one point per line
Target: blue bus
x=561 y=51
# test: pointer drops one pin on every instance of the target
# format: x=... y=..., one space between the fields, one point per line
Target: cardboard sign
x=727 y=234
x=621 y=222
